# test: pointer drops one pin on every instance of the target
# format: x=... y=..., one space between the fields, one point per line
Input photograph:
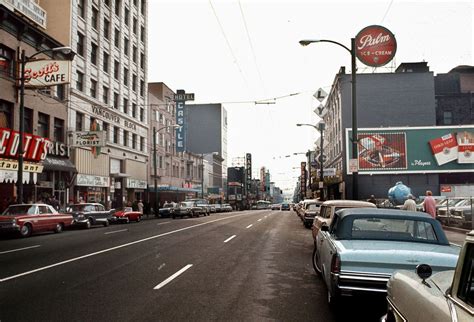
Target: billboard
x=413 y=149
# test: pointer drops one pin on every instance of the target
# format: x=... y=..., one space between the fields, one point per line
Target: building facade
x=45 y=112
x=108 y=93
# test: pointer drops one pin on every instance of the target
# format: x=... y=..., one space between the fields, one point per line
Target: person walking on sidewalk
x=429 y=205
x=409 y=204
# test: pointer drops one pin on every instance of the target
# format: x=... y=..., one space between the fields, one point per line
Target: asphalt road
x=240 y=266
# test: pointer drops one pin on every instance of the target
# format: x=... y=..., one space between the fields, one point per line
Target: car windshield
x=393 y=229
x=168 y=205
x=312 y=206
x=19 y=210
x=187 y=204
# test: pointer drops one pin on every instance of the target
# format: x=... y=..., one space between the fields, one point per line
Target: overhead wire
x=386 y=11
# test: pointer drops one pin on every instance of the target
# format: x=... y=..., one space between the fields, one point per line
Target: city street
x=246 y=266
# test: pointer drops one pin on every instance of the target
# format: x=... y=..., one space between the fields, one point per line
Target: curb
x=456 y=229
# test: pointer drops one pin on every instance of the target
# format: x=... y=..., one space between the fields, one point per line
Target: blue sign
x=181 y=131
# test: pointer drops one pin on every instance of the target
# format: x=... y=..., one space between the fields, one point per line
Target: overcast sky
x=241 y=52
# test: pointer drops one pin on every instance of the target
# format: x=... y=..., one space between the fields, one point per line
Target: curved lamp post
x=355 y=178
x=23 y=61
x=155 y=131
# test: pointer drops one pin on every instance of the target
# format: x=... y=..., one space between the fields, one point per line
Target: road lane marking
x=115 y=231
x=230 y=238
x=163 y=223
x=18 y=249
x=113 y=248
x=260 y=219
x=249 y=226
x=172 y=277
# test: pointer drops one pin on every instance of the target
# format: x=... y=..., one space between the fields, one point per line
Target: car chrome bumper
x=9 y=227
x=361 y=282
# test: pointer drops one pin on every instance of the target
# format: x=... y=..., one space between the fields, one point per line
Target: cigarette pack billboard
x=413 y=149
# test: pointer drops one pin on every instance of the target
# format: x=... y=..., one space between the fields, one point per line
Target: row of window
x=81 y=8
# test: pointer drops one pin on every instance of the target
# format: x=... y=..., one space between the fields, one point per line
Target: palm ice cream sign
x=375 y=46
x=398 y=150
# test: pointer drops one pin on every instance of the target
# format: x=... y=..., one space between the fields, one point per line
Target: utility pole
x=155 y=209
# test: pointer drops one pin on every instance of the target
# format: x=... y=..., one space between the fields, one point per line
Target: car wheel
x=127 y=220
x=106 y=223
x=89 y=223
x=174 y=217
x=139 y=218
x=316 y=263
x=59 y=228
x=26 y=230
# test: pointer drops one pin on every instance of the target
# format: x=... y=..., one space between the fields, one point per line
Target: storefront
x=90 y=188
x=135 y=189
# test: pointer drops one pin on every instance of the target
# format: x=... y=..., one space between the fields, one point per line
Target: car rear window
x=393 y=229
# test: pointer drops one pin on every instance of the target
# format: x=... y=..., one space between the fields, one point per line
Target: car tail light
x=335 y=263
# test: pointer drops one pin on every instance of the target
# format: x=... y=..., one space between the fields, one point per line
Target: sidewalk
x=455 y=235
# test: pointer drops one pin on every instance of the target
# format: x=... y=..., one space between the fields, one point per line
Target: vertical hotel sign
x=248 y=172
x=303 y=180
x=180 y=98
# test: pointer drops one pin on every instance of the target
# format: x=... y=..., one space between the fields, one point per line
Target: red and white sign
x=35 y=147
x=445 y=188
x=375 y=46
x=48 y=72
x=465 y=147
x=445 y=149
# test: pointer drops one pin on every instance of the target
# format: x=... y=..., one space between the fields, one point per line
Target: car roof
x=29 y=204
x=393 y=213
x=348 y=203
x=87 y=204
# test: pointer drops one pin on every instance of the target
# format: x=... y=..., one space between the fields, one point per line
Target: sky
x=245 y=54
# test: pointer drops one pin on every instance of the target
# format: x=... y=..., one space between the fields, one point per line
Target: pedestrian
x=429 y=204
x=372 y=199
x=409 y=204
x=140 y=206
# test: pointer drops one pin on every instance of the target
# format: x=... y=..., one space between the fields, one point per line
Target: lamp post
x=23 y=61
x=352 y=51
x=155 y=166
x=320 y=128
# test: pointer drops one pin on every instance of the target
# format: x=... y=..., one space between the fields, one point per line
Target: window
x=142 y=115
x=142 y=7
x=142 y=143
x=134 y=53
x=107 y=3
x=116 y=69
x=43 y=125
x=135 y=25
x=58 y=130
x=134 y=83
x=142 y=88
x=105 y=94
x=94 y=53
x=80 y=81
x=126 y=16
x=80 y=44
x=125 y=138
x=106 y=128
x=94 y=18
x=81 y=8
x=116 y=134
x=106 y=28
x=117 y=38
x=142 y=34
x=105 y=62
x=6 y=111
x=6 y=61
x=93 y=88
x=61 y=92
x=79 y=121
x=125 y=106
x=28 y=120
x=447 y=118
x=134 y=141
x=117 y=7
x=125 y=46
x=125 y=76
x=142 y=60
x=116 y=100
x=134 y=110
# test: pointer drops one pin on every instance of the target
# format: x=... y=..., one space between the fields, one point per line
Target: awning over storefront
x=170 y=188
x=57 y=164
x=12 y=176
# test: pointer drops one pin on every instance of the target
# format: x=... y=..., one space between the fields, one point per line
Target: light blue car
x=363 y=247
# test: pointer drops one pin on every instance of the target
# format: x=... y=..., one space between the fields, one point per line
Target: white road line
x=172 y=277
x=18 y=249
x=113 y=248
x=260 y=219
x=249 y=226
x=163 y=223
x=115 y=231
x=265 y=217
x=230 y=238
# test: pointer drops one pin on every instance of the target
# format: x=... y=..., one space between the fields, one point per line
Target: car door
x=48 y=216
x=326 y=249
x=43 y=217
x=102 y=214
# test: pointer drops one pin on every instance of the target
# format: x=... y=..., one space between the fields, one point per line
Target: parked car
x=462 y=214
x=451 y=204
x=26 y=219
x=445 y=296
x=88 y=214
x=167 y=209
x=126 y=215
x=285 y=206
x=327 y=211
x=275 y=206
x=362 y=248
x=310 y=212
x=226 y=207
x=218 y=207
x=203 y=203
x=302 y=207
x=188 y=208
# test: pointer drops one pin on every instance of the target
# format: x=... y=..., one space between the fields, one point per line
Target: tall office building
x=108 y=92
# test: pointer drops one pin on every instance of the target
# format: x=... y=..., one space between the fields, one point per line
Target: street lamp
x=155 y=170
x=352 y=51
x=23 y=61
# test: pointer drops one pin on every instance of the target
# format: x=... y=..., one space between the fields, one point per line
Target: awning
x=119 y=175
x=57 y=164
x=171 y=188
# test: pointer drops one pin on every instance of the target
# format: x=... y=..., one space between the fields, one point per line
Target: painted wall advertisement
x=414 y=149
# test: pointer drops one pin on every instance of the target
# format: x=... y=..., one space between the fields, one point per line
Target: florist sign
x=375 y=46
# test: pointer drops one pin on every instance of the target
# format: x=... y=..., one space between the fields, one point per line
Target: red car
x=28 y=218
x=126 y=215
